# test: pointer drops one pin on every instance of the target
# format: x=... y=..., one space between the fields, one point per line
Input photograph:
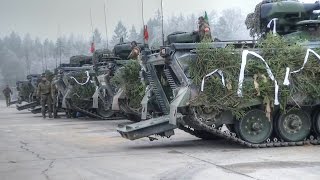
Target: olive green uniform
x=44 y=92
x=204 y=31
x=7 y=92
x=134 y=53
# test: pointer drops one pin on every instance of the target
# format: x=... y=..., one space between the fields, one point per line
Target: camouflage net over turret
x=128 y=78
x=305 y=85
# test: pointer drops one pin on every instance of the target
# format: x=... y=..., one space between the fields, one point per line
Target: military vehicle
x=172 y=88
x=72 y=81
x=34 y=80
x=282 y=17
x=121 y=100
x=25 y=90
x=84 y=84
x=287 y=13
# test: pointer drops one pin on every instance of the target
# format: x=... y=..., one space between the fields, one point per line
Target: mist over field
x=36 y=35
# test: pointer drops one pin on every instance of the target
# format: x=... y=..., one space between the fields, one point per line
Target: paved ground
x=34 y=148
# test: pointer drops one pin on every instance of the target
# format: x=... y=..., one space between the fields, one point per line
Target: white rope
x=274 y=21
x=209 y=75
x=286 y=81
x=270 y=74
x=88 y=78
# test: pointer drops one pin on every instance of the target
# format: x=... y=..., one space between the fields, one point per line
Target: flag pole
x=162 y=23
x=91 y=25
x=105 y=23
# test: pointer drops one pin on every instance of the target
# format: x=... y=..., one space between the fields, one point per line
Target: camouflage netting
x=305 y=85
x=128 y=78
x=253 y=22
x=81 y=94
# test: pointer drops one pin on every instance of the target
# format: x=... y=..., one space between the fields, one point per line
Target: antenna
x=91 y=26
x=59 y=42
x=144 y=42
x=42 y=59
x=105 y=23
x=162 y=23
x=45 y=54
x=142 y=13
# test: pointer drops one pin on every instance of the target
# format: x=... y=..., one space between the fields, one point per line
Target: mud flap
x=64 y=104
x=95 y=97
x=144 y=104
x=181 y=100
x=115 y=102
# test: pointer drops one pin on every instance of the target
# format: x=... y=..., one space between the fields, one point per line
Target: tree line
x=23 y=55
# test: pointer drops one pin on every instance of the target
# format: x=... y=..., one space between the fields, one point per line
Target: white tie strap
x=270 y=74
x=209 y=75
x=88 y=78
x=274 y=21
x=286 y=81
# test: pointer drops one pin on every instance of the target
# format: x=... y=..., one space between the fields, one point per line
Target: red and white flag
x=92 y=48
x=145 y=33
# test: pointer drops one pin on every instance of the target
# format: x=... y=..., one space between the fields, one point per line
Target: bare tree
x=27 y=47
x=230 y=25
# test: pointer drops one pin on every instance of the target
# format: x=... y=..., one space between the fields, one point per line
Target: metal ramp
x=27 y=106
x=147 y=128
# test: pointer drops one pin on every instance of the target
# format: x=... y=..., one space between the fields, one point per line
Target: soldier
x=204 y=29
x=7 y=93
x=135 y=51
x=44 y=92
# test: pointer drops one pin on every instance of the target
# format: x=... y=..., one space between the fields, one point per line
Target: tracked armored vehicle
x=84 y=85
x=25 y=90
x=121 y=101
x=30 y=89
x=290 y=122
x=76 y=86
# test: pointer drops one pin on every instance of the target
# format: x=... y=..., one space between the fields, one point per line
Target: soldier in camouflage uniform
x=7 y=93
x=135 y=51
x=204 y=30
x=44 y=92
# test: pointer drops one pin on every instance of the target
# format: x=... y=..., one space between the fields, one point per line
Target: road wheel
x=254 y=127
x=293 y=126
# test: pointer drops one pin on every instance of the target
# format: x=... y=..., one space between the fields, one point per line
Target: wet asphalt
x=66 y=149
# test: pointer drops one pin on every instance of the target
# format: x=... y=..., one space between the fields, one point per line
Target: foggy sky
x=52 y=18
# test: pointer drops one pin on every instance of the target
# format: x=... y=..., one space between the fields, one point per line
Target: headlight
x=165 y=52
